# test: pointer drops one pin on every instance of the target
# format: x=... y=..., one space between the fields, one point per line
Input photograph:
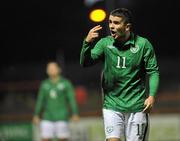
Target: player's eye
x=116 y=22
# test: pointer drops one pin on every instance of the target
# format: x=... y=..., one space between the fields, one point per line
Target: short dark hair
x=124 y=13
x=53 y=62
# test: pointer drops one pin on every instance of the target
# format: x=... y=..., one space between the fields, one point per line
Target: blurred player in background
x=55 y=96
x=127 y=59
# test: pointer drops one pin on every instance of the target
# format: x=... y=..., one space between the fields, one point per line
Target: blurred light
x=97 y=15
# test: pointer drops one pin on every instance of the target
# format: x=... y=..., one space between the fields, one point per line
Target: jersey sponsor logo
x=134 y=49
x=110 y=46
x=109 y=129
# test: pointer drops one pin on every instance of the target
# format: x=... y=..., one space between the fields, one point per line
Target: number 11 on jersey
x=119 y=65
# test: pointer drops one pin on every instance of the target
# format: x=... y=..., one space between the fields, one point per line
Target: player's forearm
x=39 y=105
x=37 y=109
x=73 y=103
x=153 y=83
x=85 y=56
x=75 y=109
x=71 y=98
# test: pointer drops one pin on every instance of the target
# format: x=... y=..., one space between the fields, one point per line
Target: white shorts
x=58 y=129
x=128 y=126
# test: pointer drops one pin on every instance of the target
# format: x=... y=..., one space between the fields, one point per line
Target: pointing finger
x=96 y=28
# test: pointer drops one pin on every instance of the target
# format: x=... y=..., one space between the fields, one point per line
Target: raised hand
x=93 y=33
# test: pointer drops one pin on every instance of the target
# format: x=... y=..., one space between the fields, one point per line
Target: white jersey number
x=121 y=64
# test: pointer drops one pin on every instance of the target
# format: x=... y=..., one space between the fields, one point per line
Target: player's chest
x=55 y=91
x=123 y=58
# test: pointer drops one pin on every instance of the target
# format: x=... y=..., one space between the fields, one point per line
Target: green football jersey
x=124 y=72
x=54 y=100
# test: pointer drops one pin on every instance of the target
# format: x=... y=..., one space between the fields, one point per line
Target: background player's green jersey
x=54 y=100
x=125 y=69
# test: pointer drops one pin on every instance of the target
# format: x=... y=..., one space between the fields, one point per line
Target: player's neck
x=125 y=38
x=55 y=79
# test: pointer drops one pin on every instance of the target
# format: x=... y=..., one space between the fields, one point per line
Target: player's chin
x=114 y=36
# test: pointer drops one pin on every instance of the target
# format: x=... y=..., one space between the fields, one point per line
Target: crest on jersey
x=134 y=49
x=110 y=46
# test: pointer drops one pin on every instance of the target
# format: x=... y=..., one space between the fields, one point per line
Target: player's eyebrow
x=117 y=22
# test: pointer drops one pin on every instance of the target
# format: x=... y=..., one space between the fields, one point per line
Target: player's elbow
x=154 y=73
x=84 y=65
x=155 y=76
x=86 y=62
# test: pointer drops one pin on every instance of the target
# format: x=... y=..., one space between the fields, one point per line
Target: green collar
x=59 y=80
x=131 y=40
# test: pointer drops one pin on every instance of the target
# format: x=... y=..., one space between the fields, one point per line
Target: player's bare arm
x=93 y=34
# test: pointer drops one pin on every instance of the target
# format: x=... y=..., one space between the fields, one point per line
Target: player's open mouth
x=113 y=33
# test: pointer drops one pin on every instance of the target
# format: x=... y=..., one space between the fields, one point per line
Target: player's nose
x=112 y=26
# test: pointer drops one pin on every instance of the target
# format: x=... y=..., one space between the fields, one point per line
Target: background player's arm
x=152 y=70
x=39 y=105
x=72 y=102
x=90 y=55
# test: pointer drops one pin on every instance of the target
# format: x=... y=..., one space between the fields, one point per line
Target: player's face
x=118 y=28
x=53 y=70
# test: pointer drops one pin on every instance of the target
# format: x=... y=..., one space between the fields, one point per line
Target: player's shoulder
x=104 y=41
x=45 y=83
x=141 y=41
x=107 y=39
x=65 y=80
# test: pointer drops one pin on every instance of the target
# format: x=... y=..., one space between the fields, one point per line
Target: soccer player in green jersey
x=56 y=94
x=127 y=59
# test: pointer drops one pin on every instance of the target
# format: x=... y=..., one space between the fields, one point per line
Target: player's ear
x=60 y=70
x=47 y=72
x=128 y=27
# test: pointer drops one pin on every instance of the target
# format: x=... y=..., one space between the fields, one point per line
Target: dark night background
x=35 y=32
x=32 y=31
